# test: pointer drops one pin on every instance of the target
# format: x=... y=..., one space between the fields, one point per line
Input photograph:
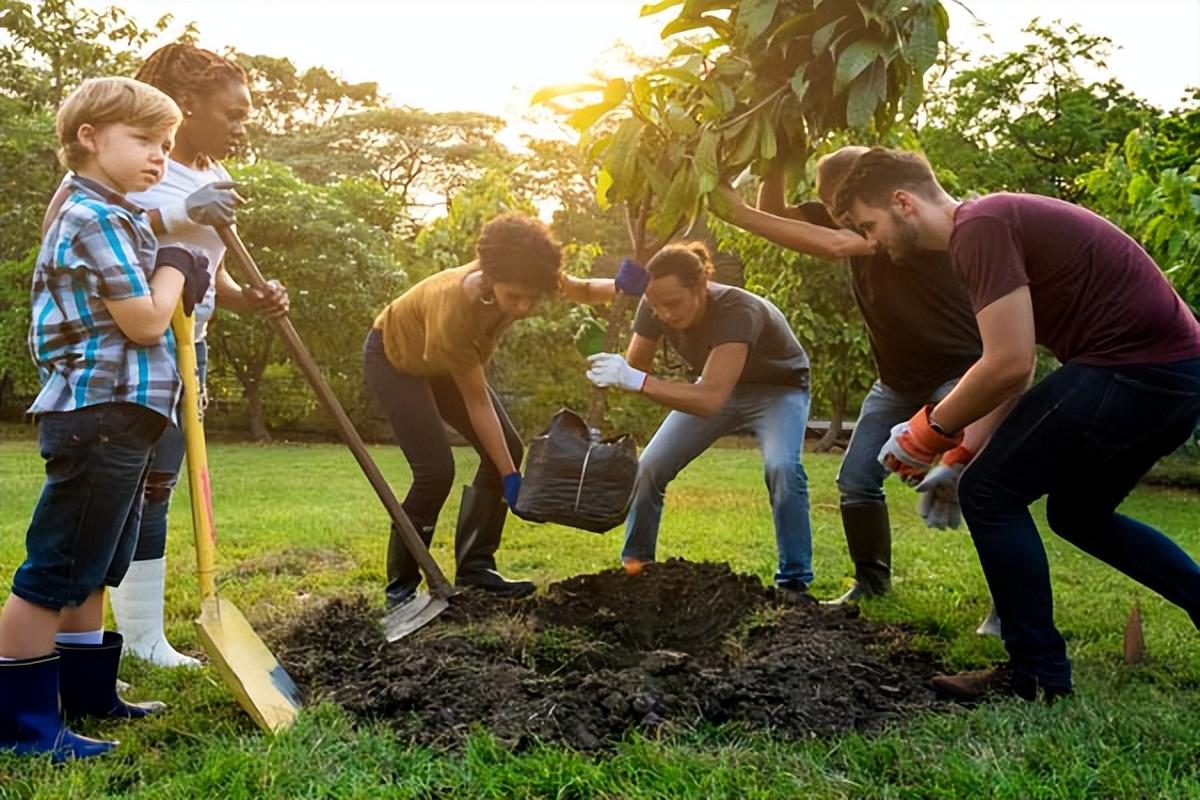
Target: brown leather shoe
x=1001 y=681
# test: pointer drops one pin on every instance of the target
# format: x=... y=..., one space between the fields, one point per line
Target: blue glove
x=632 y=278
x=194 y=267
x=512 y=488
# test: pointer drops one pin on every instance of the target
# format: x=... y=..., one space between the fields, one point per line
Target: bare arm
x=1004 y=369
x=472 y=384
x=796 y=234
x=706 y=396
x=640 y=354
x=593 y=291
x=144 y=319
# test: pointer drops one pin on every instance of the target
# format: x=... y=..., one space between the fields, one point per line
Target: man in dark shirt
x=923 y=338
x=1042 y=271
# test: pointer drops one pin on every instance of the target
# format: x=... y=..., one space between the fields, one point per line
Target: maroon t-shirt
x=1098 y=298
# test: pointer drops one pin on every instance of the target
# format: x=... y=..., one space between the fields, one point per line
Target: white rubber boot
x=137 y=605
x=990 y=625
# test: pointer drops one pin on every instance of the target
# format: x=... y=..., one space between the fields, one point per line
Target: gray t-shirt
x=735 y=315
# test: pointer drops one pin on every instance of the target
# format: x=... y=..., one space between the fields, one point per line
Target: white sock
x=81 y=637
x=6 y=658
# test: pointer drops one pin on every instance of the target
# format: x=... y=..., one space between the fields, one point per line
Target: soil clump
x=679 y=645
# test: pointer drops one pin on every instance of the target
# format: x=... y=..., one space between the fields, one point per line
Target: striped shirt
x=99 y=247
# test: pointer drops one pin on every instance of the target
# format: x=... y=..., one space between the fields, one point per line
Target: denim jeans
x=1083 y=437
x=778 y=415
x=165 y=464
x=860 y=478
x=85 y=524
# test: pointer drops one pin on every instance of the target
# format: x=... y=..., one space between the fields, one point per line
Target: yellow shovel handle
x=205 y=534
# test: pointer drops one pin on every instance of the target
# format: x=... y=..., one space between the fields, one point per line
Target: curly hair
x=513 y=248
x=179 y=68
x=879 y=172
x=690 y=262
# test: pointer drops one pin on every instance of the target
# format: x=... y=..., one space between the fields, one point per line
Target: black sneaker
x=492 y=581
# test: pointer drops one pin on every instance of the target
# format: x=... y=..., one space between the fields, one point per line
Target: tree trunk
x=254 y=411
x=835 y=424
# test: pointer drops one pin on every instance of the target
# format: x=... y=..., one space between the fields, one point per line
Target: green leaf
x=677 y=200
x=616 y=90
x=551 y=92
x=584 y=118
x=676 y=74
x=922 y=47
x=679 y=121
x=914 y=92
x=799 y=83
x=824 y=35
x=746 y=147
x=784 y=31
x=865 y=95
x=720 y=205
x=662 y=5
x=719 y=26
x=620 y=161
x=854 y=60
x=706 y=160
x=754 y=17
x=768 y=146
x=604 y=182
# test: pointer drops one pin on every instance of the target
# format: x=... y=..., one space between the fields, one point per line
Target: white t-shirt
x=179 y=181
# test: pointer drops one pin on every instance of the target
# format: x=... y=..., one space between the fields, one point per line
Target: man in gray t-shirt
x=753 y=374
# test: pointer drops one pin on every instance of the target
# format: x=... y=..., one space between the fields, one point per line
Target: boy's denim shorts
x=85 y=525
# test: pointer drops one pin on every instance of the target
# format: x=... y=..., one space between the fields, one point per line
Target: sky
x=491 y=55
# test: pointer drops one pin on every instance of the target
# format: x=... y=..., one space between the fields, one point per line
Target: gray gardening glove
x=214 y=204
x=938 y=505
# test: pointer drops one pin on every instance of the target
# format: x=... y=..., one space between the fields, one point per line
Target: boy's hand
x=215 y=205
x=194 y=267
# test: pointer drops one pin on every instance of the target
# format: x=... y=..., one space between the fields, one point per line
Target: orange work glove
x=914 y=446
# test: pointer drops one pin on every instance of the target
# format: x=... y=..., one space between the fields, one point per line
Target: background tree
x=319 y=241
x=1027 y=120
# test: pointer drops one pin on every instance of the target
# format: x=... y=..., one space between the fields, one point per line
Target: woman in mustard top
x=424 y=360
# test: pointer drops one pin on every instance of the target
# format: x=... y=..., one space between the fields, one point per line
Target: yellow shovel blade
x=256 y=678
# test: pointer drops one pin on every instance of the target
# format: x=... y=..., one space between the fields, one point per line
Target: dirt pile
x=598 y=655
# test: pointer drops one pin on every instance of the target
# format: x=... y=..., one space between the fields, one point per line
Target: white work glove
x=214 y=204
x=610 y=369
x=938 y=505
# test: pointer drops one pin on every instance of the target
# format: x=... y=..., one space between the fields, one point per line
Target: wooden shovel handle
x=438 y=584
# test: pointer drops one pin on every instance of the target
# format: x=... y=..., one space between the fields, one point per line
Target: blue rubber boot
x=89 y=681
x=31 y=718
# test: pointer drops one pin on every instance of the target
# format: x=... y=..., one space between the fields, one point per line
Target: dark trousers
x=1083 y=437
x=418 y=409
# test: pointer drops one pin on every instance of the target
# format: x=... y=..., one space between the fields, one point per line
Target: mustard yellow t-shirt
x=436 y=329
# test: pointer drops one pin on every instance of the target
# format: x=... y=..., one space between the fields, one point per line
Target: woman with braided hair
x=195 y=195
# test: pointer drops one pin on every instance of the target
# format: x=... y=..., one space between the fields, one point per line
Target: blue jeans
x=85 y=524
x=1083 y=437
x=165 y=464
x=778 y=415
x=860 y=478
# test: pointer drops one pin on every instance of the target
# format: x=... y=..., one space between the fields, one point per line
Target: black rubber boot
x=88 y=681
x=31 y=717
x=403 y=574
x=476 y=539
x=869 y=540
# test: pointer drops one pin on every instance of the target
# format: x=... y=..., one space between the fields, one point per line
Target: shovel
x=422 y=608
x=257 y=680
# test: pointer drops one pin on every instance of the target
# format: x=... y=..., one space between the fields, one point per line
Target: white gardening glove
x=610 y=369
x=938 y=505
x=214 y=204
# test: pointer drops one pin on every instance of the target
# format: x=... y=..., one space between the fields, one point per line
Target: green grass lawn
x=298 y=522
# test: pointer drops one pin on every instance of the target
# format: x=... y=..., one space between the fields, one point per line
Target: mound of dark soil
x=599 y=655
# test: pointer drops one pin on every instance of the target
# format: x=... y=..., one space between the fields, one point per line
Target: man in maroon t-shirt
x=1042 y=271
